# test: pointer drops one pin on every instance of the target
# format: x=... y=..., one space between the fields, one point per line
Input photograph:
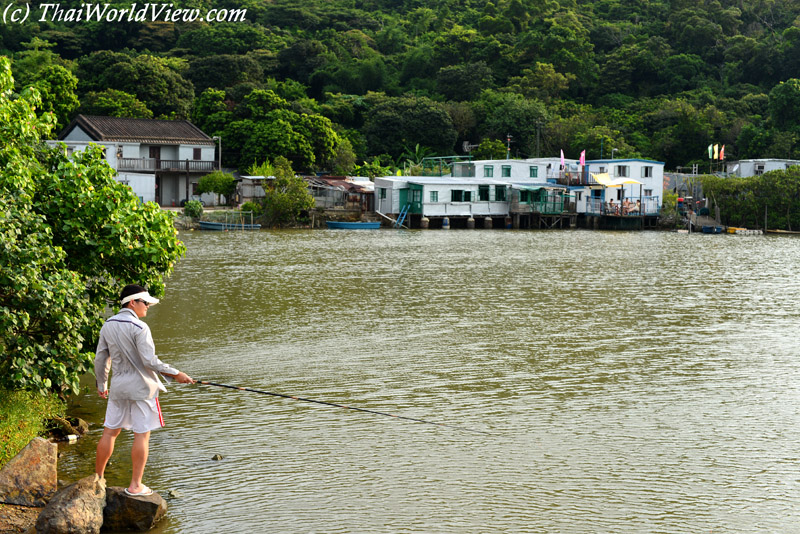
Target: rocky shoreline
x=30 y=500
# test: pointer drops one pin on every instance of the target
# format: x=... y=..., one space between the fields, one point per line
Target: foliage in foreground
x=746 y=201
x=22 y=416
x=70 y=237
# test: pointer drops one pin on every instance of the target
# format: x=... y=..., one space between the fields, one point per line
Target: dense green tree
x=490 y=149
x=113 y=103
x=541 y=82
x=403 y=121
x=206 y=106
x=219 y=183
x=223 y=39
x=57 y=86
x=464 y=82
x=156 y=82
x=784 y=104
x=506 y=114
x=223 y=71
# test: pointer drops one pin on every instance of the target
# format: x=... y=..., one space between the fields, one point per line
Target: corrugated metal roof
x=147 y=131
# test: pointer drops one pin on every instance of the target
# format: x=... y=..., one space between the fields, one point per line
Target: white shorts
x=138 y=415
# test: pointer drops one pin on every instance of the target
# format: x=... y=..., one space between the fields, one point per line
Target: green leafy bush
x=193 y=209
x=255 y=207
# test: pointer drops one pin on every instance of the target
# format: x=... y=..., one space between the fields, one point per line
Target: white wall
x=143 y=185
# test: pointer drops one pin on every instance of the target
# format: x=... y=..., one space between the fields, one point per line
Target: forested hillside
x=331 y=84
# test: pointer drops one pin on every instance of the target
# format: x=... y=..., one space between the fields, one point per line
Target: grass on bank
x=22 y=417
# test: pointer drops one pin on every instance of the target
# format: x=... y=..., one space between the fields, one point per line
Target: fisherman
x=126 y=345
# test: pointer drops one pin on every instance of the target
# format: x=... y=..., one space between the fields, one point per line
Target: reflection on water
x=630 y=382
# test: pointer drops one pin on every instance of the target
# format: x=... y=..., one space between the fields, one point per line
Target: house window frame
x=488 y=171
x=647 y=171
x=483 y=193
x=382 y=193
x=434 y=196
x=197 y=154
x=505 y=171
x=500 y=193
x=621 y=171
x=533 y=170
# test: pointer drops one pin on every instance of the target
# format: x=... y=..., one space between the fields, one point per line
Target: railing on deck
x=648 y=206
x=152 y=164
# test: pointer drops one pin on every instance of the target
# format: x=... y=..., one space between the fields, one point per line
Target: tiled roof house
x=162 y=160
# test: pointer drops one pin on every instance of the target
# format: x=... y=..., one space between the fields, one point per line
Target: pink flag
x=583 y=158
x=562 y=159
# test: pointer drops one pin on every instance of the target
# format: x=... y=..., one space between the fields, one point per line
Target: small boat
x=353 y=225
x=712 y=229
x=220 y=226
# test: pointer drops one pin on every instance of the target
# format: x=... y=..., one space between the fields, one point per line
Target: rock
x=17 y=519
x=30 y=478
x=175 y=494
x=76 y=509
x=124 y=512
x=217 y=457
x=80 y=425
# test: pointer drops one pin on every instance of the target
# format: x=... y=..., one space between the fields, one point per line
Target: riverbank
x=24 y=416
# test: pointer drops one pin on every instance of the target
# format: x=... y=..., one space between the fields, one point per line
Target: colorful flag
x=583 y=158
x=716 y=151
x=562 y=159
x=722 y=152
x=710 y=151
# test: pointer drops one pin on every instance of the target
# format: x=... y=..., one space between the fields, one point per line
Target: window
x=434 y=196
x=602 y=170
x=197 y=153
x=759 y=170
x=382 y=192
x=506 y=171
x=524 y=195
x=456 y=195
x=488 y=171
x=622 y=171
x=647 y=172
x=500 y=193
x=416 y=195
x=534 y=170
x=578 y=195
x=648 y=192
x=483 y=193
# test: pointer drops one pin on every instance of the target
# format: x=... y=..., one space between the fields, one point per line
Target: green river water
x=628 y=382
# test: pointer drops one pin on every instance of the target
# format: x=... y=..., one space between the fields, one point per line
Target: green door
x=403 y=196
x=415 y=192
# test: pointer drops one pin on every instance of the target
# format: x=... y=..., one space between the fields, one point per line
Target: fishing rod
x=207 y=383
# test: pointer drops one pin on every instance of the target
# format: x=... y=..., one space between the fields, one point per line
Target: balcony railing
x=152 y=164
x=636 y=207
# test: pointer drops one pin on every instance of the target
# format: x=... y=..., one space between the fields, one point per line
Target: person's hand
x=183 y=378
x=103 y=394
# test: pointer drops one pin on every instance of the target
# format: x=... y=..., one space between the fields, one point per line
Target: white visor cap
x=144 y=295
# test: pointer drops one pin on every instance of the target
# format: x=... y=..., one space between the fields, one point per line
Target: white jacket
x=126 y=346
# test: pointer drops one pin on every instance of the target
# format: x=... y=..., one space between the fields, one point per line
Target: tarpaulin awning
x=602 y=178
x=618 y=182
